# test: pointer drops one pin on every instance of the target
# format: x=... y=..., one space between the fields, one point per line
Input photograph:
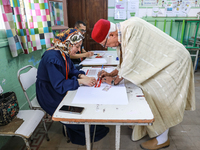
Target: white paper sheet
x=149 y=2
x=133 y=8
x=116 y=95
x=99 y=61
x=120 y=14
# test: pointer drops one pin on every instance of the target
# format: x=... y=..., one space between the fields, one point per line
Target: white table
x=109 y=56
x=137 y=112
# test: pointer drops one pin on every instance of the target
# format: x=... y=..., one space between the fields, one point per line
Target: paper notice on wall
x=120 y=14
x=149 y=2
x=157 y=12
x=133 y=4
x=186 y=8
x=132 y=8
x=192 y=3
x=120 y=9
x=120 y=4
x=178 y=10
x=169 y=10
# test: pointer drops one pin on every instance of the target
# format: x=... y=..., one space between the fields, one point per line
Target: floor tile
x=177 y=130
x=192 y=130
x=183 y=141
x=196 y=140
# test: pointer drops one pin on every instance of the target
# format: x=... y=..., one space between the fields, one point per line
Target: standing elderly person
x=159 y=65
x=57 y=75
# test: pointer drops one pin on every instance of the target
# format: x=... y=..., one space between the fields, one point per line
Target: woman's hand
x=89 y=81
x=88 y=54
x=91 y=53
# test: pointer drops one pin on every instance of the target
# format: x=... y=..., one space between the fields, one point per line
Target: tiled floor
x=185 y=136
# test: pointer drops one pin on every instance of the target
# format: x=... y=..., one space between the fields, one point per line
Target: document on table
x=116 y=95
x=92 y=72
x=95 y=61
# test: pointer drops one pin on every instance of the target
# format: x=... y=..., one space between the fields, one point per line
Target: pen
x=101 y=69
x=139 y=95
x=98 y=80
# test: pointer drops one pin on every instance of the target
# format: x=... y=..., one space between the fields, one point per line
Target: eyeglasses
x=82 y=30
x=105 y=42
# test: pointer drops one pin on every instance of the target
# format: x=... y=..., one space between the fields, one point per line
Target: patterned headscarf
x=66 y=39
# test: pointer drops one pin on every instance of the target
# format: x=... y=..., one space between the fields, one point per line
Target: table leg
x=93 y=137
x=117 y=137
x=87 y=136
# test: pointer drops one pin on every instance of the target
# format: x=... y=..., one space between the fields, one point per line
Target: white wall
x=147 y=11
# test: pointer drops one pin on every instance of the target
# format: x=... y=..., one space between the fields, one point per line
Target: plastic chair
x=26 y=80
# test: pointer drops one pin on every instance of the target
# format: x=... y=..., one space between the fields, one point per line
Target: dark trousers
x=76 y=133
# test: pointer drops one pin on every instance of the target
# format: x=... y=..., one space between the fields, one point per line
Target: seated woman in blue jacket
x=56 y=75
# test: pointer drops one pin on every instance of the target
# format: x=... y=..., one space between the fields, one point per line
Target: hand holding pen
x=102 y=74
x=99 y=78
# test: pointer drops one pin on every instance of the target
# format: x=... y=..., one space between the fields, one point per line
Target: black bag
x=9 y=107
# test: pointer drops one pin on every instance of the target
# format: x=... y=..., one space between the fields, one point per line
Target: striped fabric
x=162 y=67
x=28 y=25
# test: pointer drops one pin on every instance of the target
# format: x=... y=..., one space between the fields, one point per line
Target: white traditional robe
x=162 y=68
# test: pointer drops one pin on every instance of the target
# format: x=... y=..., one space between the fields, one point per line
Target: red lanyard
x=66 y=65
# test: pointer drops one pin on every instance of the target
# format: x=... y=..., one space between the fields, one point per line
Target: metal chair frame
x=26 y=80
